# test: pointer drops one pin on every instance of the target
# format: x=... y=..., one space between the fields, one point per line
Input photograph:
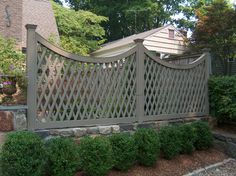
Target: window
x=171 y=33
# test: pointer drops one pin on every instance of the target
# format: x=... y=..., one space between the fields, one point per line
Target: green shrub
x=188 y=138
x=222 y=97
x=124 y=150
x=148 y=144
x=204 y=138
x=62 y=155
x=170 y=138
x=22 y=154
x=96 y=155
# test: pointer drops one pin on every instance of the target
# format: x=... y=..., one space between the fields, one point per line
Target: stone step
x=2 y=138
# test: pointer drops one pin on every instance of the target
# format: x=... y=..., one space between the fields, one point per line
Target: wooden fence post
x=31 y=62
x=140 y=80
x=208 y=73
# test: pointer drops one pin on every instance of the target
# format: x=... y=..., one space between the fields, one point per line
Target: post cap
x=31 y=26
x=139 y=40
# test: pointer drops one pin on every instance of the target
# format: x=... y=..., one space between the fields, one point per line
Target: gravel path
x=226 y=169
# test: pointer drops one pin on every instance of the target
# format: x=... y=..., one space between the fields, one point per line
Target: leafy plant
x=124 y=149
x=62 y=156
x=23 y=154
x=12 y=61
x=96 y=155
x=148 y=144
x=222 y=93
x=204 y=137
x=188 y=138
x=170 y=138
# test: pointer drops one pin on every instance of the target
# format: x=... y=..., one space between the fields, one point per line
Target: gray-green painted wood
x=66 y=90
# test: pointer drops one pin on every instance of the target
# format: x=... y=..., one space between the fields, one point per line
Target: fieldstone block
x=79 y=132
x=92 y=130
x=43 y=133
x=231 y=149
x=219 y=137
x=146 y=125
x=161 y=124
x=66 y=132
x=20 y=121
x=115 y=128
x=126 y=127
x=6 y=121
x=104 y=129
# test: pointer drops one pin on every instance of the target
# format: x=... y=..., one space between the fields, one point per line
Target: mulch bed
x=178 y=166
x=18 y=99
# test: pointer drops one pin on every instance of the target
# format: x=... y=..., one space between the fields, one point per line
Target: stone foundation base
x=225 y=143
x=111 y=129
x=13 y=118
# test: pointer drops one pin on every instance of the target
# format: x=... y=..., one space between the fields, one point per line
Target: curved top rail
x=175 y=66
x=88 y=59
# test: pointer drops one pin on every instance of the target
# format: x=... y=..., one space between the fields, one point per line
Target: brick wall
x=15 y=11
x=22 y=12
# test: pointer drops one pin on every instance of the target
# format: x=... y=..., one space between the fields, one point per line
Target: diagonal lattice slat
x=70 y=90
x=170 y=91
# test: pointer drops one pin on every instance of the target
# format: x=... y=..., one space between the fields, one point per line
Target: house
x=163 y=41
x=15 y=14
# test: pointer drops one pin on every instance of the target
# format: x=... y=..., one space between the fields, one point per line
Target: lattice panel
x=74 y=90
x=174 y=91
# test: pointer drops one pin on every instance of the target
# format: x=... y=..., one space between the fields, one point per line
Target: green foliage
x=12 y=61
x=216 y=29
x=148 y=144
x=170 y=138
x=62 y=155
x=130 y=17
x=96 y=155
x=222 y=93
x=80 y=31
x=124 y=150
x=23 y=154
x=204 y=138
x=188 y=138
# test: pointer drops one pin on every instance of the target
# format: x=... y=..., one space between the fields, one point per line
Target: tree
x=127 y=17
x=216 y=29
x=80 y=31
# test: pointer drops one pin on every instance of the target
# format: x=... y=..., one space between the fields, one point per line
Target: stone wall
x=110 y=129
x=13 y=118
x=225 y=143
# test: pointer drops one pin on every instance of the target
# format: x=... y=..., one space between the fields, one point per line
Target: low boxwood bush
x=222 y=93
x=204 y=137
x=62 y=157
x=23 y=154
x=124 y=150
x=148 y=145
x=188 y=138
x=96 y=155
x=170 y=138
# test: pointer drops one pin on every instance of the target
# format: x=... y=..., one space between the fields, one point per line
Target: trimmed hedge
x=23 y=154
x=222 y=97
x=148 y=144
x=204 y=137
x=188 y=138
x=63 y=158
x=170 y=138
x=124 y=150
x=96 y=155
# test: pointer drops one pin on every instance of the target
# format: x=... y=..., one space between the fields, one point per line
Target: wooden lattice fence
x=67 y=90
